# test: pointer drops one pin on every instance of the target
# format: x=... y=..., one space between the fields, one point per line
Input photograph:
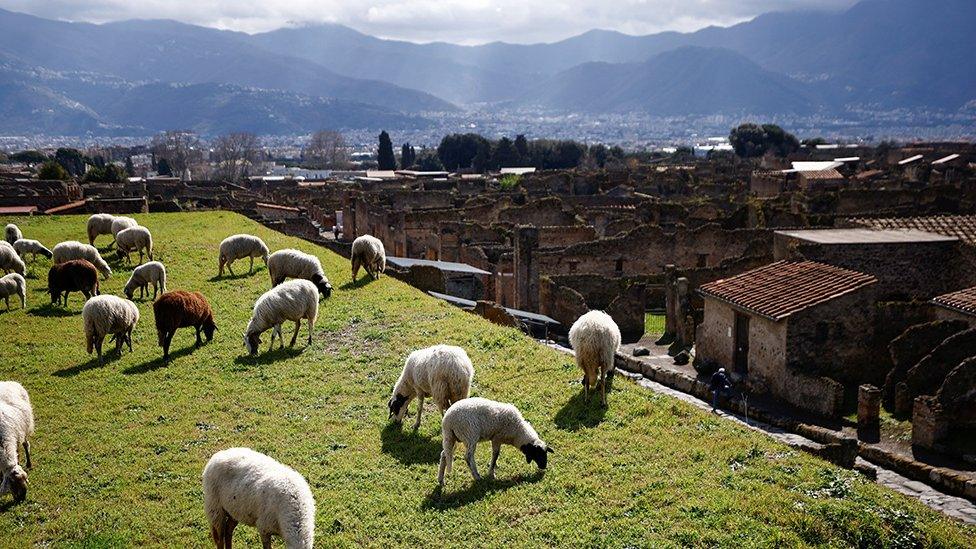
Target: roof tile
x=963 y=301
x=960 y=226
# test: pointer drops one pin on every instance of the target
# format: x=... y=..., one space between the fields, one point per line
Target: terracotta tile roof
x=962 y=227
x=70 y=206
x=826 y=175
x=780 y=289
x=963 y=301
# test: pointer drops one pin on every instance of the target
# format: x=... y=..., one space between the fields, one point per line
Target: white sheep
x=291 y=263
x=13 y=233
x=476 y=419
x=293 y=300
x=240 y=246
x=595 y=338
x=13 y=284
x=10 y=261
x=244 y=486
x=368 y=252
x=16 y=426
x=25 y=246
x=132 y=239
x=105 y=315
x=121 y=223
x=72 y=249
x=443 y=372
x=142 y=276
x=99 y=224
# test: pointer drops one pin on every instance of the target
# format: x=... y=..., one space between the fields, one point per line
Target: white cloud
x=460 y=21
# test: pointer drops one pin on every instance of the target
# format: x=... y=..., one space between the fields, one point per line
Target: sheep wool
x=293 y=300
x=476 y=419
x=121 y=223
x=25 y=246
x=72 y=249
x=443 y=372
x=142 y=276
x=290 y=263
x=16 y=426
x=368 y=252
x=181 y=309
x=13 y=284
x=77 y=275
x=12 y=233
x=134 y=239
x=248 y=487
x=240 y=246
x=595 y=338
x=105 y=315
x=99 y=224
x=10 y=261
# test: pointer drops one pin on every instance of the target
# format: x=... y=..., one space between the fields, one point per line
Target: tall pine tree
x=385 y=157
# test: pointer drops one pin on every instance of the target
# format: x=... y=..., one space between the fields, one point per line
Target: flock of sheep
x=239 y=484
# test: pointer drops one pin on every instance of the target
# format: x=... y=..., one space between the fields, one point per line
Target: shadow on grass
x=9 y=504
x=268 y=357
x=578 y=414
x=358 y=283
x=51 y=310
x=438 y=499
x=158 y=362
x=408 y=446
x=107 y=359
x=238 y=276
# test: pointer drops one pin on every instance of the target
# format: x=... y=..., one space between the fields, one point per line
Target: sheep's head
x=55 y=296
x=251 y=343
x=538 y=452
x=129 y=291
x=398 y=407
x=15 y=482
x=325 y=289
x=208 y=329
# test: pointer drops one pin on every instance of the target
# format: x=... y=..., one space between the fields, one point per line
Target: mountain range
x=140 y=76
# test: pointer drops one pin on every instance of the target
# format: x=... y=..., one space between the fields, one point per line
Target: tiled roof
x=961 y=226
x=780 y=289
x=963 y=301
x=829 y=175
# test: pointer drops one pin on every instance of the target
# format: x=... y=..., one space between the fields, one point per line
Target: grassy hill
x=119 y=449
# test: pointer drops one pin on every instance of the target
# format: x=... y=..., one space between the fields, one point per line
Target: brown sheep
x=77 y=275
x=181 y=309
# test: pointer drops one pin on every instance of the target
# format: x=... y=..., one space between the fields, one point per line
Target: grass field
x=119 y=449
x=653 y=324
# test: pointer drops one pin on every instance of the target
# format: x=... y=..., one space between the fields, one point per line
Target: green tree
x=408 y=156
x=130 y=170
x=428 y=161
x=29 y=157
x=385 y=158
x=52 y=170
x=482 y=159
x=505 y=155
x=457 y=151
x=522 y=147
x=71 y=160
x=110 y=173
x=163 y=167
x=753 y=140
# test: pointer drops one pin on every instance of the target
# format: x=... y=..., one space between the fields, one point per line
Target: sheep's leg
x=294 y=336
x=98 y=347
x=266 y=540
x=309 y=331
x=66 y=299
x=229 y=526
x=447 y=456
x=27 y=453
x=496 y=448
x=167 y=338
x=128 y=339
x=7 y=300
x=420 y=411
x=250 y=269
x=199 y=341
x=469 y=457
x=230 y=267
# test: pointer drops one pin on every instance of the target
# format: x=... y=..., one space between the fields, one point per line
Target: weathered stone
x=628 y=310
x=910 y=347
x=868 y=411
x=495 y=313
x=641 y=351
x=682 y=358
x=926 y=377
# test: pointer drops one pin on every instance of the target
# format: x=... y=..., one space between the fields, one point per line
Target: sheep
x=292 y=300
x=13 y=233
x=76 y=275
x=244 y=486
x=240 y=246
x=595 y=338
x=132 y=239
x=142 y=276
x=442 y=371
x=107 y=314
x=100 y=224
x=10 y=261
x=16 y=426
x=181 y=309
x=24 y=246
x=296 y=264
x=475 y=419
x=72 y=249
x=368 y=252
x=13 y=284
x=121 y=223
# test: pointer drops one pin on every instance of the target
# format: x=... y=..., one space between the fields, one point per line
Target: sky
x=457 y=21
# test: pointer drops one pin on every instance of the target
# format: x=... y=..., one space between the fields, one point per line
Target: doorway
x=740 y=354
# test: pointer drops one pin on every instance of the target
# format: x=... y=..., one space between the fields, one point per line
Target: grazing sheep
x=142 y=276
x=443 y=372
x=77 y=275
x=13 y=233
x=13 y=284
x=475 y=419
x=244 y=486
x=72 y=249
x=121 y=223
x=107 y=314
x=296 y=264
x=181 y=309
x=25 y=246
x=595 y=338
x=99 y=224
x=293 y=300
x=16 y=426
x=132 y=239
x=240 y=246
x=10 y=261
x=368 y=252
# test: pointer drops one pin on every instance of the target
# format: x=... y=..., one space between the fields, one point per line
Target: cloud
x=459 y=21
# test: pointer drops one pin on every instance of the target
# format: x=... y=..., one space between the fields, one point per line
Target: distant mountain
x=695 y=81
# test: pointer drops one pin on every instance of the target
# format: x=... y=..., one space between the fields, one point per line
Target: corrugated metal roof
x=866 y=236
x=406 y=263
x=963 y=301
x=781 y=289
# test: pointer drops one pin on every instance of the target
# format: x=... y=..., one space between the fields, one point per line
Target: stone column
x=526 y=272
x=868 y=410
x=670 y=305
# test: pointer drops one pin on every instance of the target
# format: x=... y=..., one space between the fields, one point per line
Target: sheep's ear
x=549 y=450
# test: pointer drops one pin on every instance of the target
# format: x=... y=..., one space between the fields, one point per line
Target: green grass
x=653 y=324
x=119 y=449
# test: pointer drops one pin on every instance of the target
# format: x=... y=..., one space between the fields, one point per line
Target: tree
x=29 y=157
x=522 y=147
x=53 y=170
x=109 y=173
x=71 y=160
x=457 y=151
x=408 y=156
x=235 y=154
x=130 y=170
x=505 y=154
x=180 y=148
x=384 y=158
x=163 y=168
x=326 y=149
x=428 y=161
x=482 y=159
x=752 y=140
